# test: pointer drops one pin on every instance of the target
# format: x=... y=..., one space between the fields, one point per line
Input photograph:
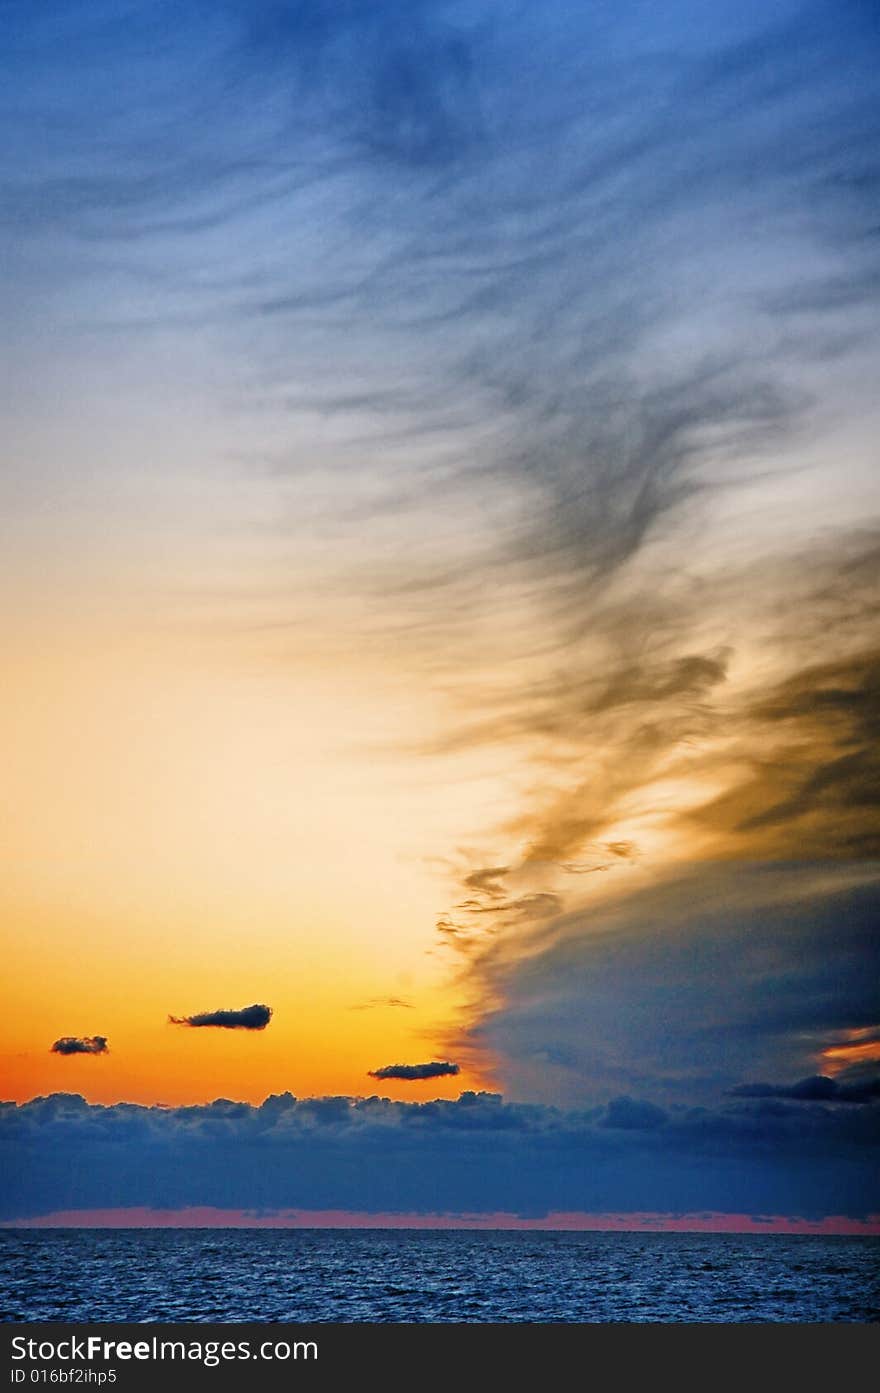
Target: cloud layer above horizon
x=475 y=1155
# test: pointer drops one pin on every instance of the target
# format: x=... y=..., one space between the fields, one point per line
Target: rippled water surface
x=385 y=1275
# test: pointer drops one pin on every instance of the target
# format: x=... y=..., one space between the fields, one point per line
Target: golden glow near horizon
x=207 y=818
x=194 y=830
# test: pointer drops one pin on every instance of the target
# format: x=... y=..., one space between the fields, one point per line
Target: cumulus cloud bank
x=698 y=983
x=478 y=1154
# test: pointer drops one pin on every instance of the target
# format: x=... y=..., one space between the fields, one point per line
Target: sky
x=440 y=535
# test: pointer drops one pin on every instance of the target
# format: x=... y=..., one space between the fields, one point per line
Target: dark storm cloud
x=819 y=1088
x=85 y=1044
x=248 y=1018
x=438 y=1069
x=478 y=1154
x=687 y=987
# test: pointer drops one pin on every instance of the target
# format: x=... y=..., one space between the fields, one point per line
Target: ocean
x=382 y=1275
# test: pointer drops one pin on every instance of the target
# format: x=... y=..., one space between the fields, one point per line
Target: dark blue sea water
x=385 y=1275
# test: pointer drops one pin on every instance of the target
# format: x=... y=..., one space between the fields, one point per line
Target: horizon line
x=209 y=1217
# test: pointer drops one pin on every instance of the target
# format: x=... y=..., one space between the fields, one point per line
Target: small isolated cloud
x=819 y=1088
x=377 y=1001
x=248 y=1018
x=86 y=1044
x=438 y=1069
